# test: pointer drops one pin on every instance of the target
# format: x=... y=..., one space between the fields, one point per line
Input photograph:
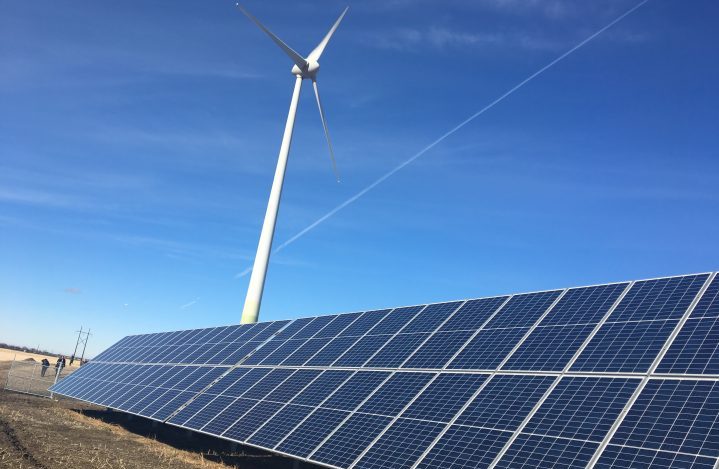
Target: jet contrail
x=448 y=134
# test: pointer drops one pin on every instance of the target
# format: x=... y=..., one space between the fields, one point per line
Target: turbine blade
x=327 y=132
x=296 y=58
x=317 y=51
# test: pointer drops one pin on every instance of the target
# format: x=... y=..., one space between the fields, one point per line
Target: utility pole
x=82 y=337
x=84 y=345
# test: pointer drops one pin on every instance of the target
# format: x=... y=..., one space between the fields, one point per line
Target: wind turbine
x=304 y=68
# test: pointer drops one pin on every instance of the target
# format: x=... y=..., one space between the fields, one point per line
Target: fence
x=32 y=378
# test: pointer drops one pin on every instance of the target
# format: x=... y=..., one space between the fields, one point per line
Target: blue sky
x=138 y=142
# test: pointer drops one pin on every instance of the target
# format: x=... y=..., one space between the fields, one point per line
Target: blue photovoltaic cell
x=355 y=390
x=438 y=350
x=240 y=385
x=229 y=415
x=582 y=408
x=252 y=420
x=395 y=393
x=206 y=378
x=396 y=351
x=195 y=406
x=332 y=351
x=316 y=325
x=708 y=305
x=473 y=314
x=488 y=348
x=396 y=320
x=322 y=387
x=273 y=379
x=462 y=447
x=228 y=380
x=624 y=346
x=170 y=402
x=238 y=354
x=208 y=354
x=401 y=445
x=531 y=451
x=275 y=429
x=444 y=397
x=622 y=457
x=310 y=433
x=674 y=415
x=292 y=385
x=293 y=328
x=586 y=305
x=695 y=349
x=364 y=323
x=305 y=352
x=201 y=418
x=431 y=317
x=505 y=401
x=549 y=348
x=362 y=350
x=350 y=439
x=338 y=325
x=666 y=298
x=263 y=352
x=523 y=310
x=281 y=352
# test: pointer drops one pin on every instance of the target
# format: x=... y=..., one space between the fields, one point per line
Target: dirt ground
x=39 y=433
x=7 y=354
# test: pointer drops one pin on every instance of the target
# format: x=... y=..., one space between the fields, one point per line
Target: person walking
x=60 y=364
x=45 y=366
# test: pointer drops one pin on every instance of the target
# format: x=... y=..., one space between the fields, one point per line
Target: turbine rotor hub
x=309 y=71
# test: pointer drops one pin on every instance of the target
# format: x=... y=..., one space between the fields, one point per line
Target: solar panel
x=445 y=395
x=708 y=305
x=582 y=408
x=695 y=349
x=616 y=375
x=350 y=439
x=533 y=451
x=462 y=447
x=277 y=427
x=674 y=415
x=627 y=457
x=401 y=444
x=505 y=401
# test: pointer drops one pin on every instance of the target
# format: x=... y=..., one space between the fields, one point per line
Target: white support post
x=259 y=270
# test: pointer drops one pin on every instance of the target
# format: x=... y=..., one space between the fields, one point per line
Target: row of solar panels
x=431 y=415
x=477 y=334
x=394 y=419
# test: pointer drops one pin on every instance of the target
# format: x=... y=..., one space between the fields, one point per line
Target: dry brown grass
x=166 y=454
x=7 y=355
x=41 y=433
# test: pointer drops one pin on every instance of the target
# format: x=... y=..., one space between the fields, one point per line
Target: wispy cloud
x=549 y=8
x=440 y=38
x=450 y=132
x=41 y=198
x=190 y=304
x=73 y=291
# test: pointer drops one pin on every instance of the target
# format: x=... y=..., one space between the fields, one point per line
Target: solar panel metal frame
x=196 y=336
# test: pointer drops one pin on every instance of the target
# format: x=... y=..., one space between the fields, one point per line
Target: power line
x=447 y=134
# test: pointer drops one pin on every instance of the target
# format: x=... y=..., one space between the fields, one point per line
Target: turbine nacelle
x=305 y=67
x=308 y=71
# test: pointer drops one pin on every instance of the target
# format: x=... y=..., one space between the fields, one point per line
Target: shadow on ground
x=213 y=449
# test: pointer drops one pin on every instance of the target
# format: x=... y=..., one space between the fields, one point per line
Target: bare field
x=7 y=354
x=45 y=434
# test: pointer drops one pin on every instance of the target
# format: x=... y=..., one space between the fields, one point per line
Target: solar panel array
x=618 y=375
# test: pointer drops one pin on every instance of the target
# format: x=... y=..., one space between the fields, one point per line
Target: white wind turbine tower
x=304 y=68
